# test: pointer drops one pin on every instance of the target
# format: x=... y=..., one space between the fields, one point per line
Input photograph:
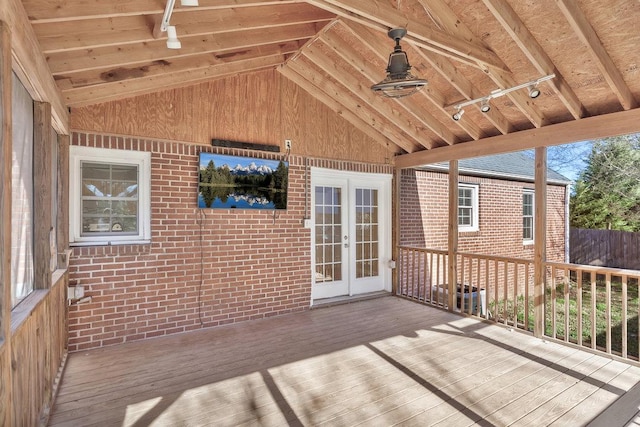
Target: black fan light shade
x=399 y=81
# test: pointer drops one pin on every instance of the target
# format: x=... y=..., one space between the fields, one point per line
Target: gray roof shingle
x=516 y=166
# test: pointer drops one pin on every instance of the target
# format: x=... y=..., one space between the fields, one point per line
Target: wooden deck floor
x=380 y=362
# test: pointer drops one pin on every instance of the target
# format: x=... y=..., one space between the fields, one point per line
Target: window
x=109 y=196
x=527 y=216
x=22 y=193
x=468 y=207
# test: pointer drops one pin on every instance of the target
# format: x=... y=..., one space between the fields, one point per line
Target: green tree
x=607 y=193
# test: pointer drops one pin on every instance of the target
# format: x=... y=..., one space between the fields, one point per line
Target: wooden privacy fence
x=610 y=248
x=588 y=306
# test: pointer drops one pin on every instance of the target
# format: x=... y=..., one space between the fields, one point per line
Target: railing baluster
x=594 y=297
x=579 y=303
x=554 y=310
x=505 y=285
x=486 y=288
x=516 y=283
x=608 y=312
x=566 y=305
x=623 y=321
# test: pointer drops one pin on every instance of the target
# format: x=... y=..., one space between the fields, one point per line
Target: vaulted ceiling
x=99 y=50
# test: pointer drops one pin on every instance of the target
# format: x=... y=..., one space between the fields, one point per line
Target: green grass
x=501 y=311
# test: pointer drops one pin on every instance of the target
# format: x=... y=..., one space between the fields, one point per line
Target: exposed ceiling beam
x=339 y=109
x=514 y=26
x=365 y=94
x=72 y=10
x=85 y=79
x=603 y=126
x=30 y=64
x=588 y=36
x=120 y=56
x=433 y=95
x=134 y=87
x=340 y=95
x=382 y=16
x=453 y=25
x=94 y=33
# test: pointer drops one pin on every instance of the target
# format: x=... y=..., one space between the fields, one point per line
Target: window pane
x=22 y=193
x=109 y=198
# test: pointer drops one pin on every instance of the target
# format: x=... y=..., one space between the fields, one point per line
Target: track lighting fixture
x=399 y=81
x=172 y=35
x=485 y=107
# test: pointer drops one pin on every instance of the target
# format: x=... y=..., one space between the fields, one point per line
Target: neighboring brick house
x=495 y=207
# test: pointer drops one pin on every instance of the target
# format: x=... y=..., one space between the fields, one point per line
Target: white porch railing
x=587 y=306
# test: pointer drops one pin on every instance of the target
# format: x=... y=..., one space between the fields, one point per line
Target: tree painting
x=234 y=182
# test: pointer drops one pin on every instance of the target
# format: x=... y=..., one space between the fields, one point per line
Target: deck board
x=384 y=361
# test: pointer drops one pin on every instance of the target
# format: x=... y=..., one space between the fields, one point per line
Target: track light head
x=534 y=91
x=458 y=114
x=172 y=40
x=485 y=106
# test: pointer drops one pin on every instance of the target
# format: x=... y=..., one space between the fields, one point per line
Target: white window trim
x=475 y=208
x=533 y=222
x=142 y=159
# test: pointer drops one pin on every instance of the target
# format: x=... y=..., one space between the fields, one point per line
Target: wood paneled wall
x=262 y=107
x=38 y=347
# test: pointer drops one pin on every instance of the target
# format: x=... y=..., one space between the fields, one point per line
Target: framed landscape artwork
x=239 y=182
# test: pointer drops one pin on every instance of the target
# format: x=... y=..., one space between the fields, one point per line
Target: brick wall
x=424 y=216
x=204 y=267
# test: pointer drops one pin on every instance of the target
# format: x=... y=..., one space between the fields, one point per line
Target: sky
x=232 y=161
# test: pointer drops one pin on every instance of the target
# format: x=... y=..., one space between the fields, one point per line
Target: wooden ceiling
x=99 y=51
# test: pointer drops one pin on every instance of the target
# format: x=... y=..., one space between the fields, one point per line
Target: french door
x=351 y=232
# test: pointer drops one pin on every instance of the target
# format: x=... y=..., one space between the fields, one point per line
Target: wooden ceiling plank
x=382 y=16
x=71 y=10
x=124 y=89
x=127 y=55
x=375 y=119
x=502 y=78
x=433 y=95
x=30 y=65
x=109 y=75
x=589 y=128
x=581 y=26
x=339 y=109
x=364 y=93
x=514 y=26
x=85 y=34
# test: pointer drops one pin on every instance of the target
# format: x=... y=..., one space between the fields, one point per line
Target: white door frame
x=353 y=180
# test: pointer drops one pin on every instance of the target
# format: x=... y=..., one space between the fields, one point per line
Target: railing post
x=453 y=232
x=540 y=241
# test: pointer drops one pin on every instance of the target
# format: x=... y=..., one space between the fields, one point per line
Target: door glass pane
x=328 y=220
x=367 y=253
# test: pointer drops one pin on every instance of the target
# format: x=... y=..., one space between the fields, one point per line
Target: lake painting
x=238 y=182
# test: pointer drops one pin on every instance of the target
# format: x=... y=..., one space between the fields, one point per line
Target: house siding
x=203 y=267
x=424 y=216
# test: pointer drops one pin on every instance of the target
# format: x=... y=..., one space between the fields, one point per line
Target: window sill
x=528 y=243
x=22 y=311
x=111 y=243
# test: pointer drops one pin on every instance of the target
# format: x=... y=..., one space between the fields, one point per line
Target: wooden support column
x=540 y=240
x=395 y=234
x=62 y=227
x=5 y=226
x=42 y=198
x=453 y=232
